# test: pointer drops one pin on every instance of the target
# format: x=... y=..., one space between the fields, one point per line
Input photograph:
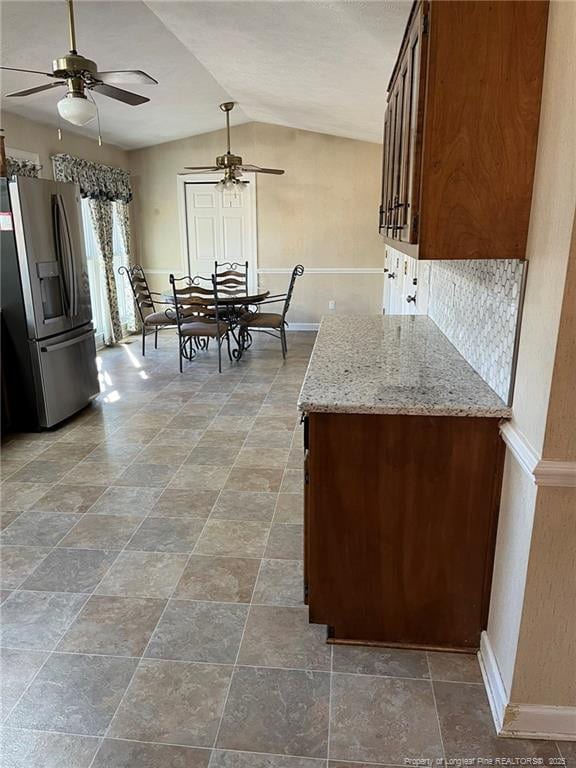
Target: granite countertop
x=393 y=365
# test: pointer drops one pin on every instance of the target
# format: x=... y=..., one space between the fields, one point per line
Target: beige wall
x=322 y=213
x=532 y=623
x=560 y=437
x=43 y=139
x=553 y=205
x=545 y=667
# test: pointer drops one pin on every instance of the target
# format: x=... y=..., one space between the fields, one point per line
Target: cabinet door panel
x=403 y=514
x=385 y=175
x=398 y=97
x=392 y=135
x=405 y=167
x=403 y=135
x=413 y=133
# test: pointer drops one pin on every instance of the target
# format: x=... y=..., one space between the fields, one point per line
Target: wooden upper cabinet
x=461 y=129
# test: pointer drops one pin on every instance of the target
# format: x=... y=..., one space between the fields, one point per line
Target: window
x=96 y=277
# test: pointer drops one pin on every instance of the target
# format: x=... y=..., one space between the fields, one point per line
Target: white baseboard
x=497 y=695
x=303 y=326
x=522 y=721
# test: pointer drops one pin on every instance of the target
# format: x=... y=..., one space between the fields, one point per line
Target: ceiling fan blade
x=31 y=71
x=257 y=169
x=126 y=77
x=134 y=99
x=38 y=89
x=202 y=168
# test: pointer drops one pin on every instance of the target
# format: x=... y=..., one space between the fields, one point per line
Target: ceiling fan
x=232 y=165
x=80 y=76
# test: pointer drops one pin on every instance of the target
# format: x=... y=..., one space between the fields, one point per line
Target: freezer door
x=51 y=256
x=68 y=204
x=66 y=374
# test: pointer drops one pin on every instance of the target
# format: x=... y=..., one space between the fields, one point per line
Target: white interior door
x=218 y=225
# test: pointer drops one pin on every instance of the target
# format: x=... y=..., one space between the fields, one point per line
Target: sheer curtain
x=101 y=213
x=133 y=319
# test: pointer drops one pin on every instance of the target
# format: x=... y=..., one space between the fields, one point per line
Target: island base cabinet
x=400 y=526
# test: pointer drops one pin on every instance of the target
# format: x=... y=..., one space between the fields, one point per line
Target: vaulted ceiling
x=319 y=66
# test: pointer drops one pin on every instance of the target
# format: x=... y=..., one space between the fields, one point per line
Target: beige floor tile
x=222 y=579
x=244 y=505
x=233 y=538
x=200 y=477
x=289 y=508
x=253 y=479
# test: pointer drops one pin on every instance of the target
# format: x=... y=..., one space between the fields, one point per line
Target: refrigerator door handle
x=68 y=343
x=65 y=228
x=64 y=273
x=70 y=254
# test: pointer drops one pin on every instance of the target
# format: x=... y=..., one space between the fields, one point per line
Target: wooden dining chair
x=272 y=323
x=151 y=318
x=195 y=314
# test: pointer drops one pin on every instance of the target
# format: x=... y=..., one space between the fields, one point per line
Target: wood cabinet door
x=401 y=534
x=384 y=202
x=397 y=100
x=389 y=180
x=403 y=124
x=413 y=74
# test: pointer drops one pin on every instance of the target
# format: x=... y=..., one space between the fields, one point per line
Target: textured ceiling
x=319 y=66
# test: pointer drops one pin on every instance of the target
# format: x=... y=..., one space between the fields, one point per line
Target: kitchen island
x=403 y=468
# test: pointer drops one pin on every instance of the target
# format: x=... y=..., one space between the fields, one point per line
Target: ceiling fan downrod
x=227 y=107
x=71 y=27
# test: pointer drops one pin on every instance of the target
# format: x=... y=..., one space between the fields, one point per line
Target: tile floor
x=152 y=588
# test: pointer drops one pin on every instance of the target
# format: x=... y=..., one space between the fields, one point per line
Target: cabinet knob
x=411 y=299
x=391 y=275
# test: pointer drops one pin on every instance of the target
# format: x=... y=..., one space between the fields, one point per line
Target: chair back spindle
x=232 y=277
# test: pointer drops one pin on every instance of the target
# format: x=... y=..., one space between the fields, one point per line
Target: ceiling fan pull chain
x=93 y=100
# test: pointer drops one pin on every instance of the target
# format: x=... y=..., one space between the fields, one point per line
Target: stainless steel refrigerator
x=48 y=348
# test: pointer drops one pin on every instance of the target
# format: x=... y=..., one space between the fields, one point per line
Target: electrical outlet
x=332 y=304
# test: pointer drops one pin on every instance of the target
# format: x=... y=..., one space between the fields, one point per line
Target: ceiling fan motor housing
x=228 y=160
x=74 y=65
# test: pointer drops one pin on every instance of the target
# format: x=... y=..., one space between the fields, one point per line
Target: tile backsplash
x=476 y=304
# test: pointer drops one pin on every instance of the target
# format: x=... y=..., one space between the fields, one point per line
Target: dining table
x=234 y=306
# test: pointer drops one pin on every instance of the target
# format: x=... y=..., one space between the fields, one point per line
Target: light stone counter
x=393 y=365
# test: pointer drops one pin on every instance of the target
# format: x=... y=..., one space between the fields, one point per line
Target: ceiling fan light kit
x=230 y=164
x=81 y=76
x=76 y=109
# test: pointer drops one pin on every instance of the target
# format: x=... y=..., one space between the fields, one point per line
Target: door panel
x=220 y=226
x=205 y=200
x=233 y=238
x=205 y=242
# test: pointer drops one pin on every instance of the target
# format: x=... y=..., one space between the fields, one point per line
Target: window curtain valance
x=17 y=167
x=96 y=181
